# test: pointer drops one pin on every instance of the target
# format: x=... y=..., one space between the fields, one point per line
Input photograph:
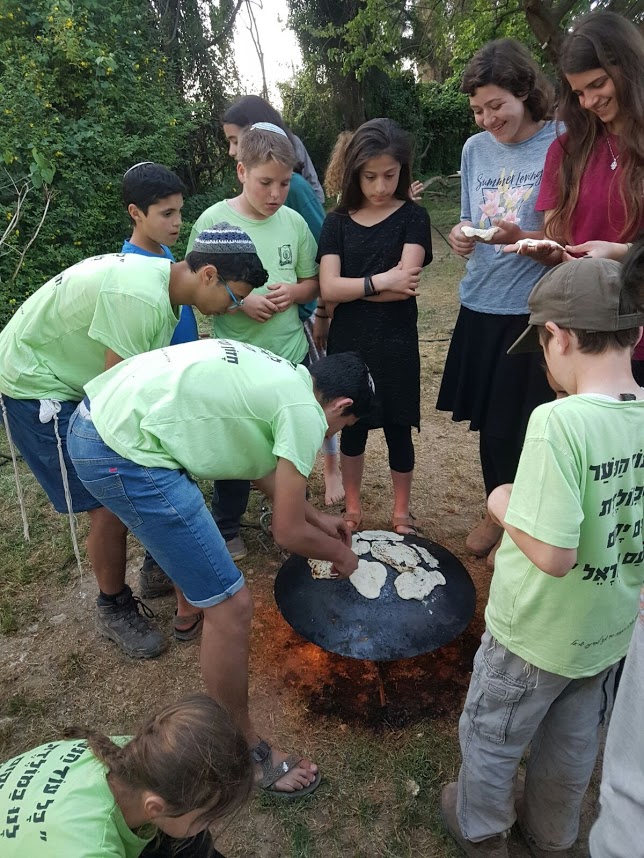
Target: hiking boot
x=126 y=623
x=491 y=847
x=236 y=547
x=153 y=582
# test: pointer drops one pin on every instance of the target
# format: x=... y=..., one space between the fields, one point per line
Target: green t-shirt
x=56 y=341
x=55 y=802
x=217 y=408
x=580 y=484
x=287 y=250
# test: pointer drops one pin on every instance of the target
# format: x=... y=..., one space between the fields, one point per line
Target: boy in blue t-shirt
x=153 y=197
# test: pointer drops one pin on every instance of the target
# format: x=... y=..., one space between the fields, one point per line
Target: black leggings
x=401 y=448
x=499 y=460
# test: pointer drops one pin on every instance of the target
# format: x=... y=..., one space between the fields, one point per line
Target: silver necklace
x=613 y=164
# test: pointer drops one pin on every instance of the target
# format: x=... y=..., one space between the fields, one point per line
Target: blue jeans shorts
x=164 y=509
x=38 y=446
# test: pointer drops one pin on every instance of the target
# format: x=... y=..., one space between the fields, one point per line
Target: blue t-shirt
x=186 y=330
x=501 y=181
x=302 y=199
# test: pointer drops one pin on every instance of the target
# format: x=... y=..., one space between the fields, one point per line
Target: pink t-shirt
x=592 y=219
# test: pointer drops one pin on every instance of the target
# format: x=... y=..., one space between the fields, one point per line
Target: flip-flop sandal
x=263 y=756
x=404 y=521
x=192 y=631
x=353 y=518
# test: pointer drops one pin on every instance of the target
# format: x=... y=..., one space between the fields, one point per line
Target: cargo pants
x=511 y=705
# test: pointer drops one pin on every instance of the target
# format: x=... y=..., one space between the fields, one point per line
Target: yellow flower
x=69 y=24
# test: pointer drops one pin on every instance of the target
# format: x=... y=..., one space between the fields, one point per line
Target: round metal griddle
x=333 y=615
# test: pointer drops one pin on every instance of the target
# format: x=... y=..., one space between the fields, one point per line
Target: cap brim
x=527 y=342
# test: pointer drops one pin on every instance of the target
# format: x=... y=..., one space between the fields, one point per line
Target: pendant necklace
x=613 y=164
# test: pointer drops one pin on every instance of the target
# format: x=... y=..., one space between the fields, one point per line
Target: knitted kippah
x=223 y=238
x=269 y=126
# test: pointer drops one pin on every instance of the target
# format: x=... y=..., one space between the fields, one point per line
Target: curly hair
x=335 y=167
x=508 y=64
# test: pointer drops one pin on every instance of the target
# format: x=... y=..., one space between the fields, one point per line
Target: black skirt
x=481 y=383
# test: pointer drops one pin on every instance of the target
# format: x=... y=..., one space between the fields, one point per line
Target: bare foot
x=333 y=487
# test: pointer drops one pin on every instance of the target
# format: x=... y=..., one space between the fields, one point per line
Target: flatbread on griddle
x=418 y=584
x=400 y=557
x=385 y=535
x=369 y=578
x=321 y=568
x=428 y=559
x=359 y=546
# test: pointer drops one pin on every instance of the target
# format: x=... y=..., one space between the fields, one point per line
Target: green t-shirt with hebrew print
x=56 y=341
x=55 y=802
x=217 y=408
x=287 y=250
x=580 y=484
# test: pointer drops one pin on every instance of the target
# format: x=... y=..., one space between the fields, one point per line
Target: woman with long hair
x=592 y=192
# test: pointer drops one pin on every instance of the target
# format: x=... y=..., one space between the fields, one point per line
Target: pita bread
x=359 y=546
x=535 y=242
x=399 y=557
x=386 y=535
x=480 y=234
x=418 y=584
x=321 y=568
x=369 y=578
x=428 y=559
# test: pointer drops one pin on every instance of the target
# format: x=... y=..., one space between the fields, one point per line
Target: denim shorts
x=164 y=509
x=38 y=446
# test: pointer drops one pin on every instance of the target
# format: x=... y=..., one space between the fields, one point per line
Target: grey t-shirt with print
x=501 y=181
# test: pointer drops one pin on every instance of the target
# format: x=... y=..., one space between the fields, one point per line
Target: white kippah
x=269 y=126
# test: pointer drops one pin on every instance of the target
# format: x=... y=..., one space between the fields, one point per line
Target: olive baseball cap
x=583 y=294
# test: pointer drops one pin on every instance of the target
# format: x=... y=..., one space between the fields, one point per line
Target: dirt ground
x=382 y=766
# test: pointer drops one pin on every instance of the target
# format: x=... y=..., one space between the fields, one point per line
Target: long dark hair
x=509 y=65
x=608 y=41
x=189 y=753
x=373 y=139
x=250 y=109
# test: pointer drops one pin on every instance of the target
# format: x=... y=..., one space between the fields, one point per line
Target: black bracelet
x=320 y=316
x=369 y=288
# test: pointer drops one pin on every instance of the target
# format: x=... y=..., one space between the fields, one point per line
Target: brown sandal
x=194 y=629
x=404 y=521
x=262 y=754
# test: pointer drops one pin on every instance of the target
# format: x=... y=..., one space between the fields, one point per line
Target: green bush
x=87 y=89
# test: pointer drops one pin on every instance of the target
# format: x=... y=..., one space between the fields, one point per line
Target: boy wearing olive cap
x=564 y=594
x=84 y=321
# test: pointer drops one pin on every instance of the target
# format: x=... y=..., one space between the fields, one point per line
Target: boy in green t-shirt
x=220 y=408
x=82 y=322
x=564 y=594
x=269 y=319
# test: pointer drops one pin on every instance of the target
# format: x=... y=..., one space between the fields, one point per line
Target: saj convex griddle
x=333 y=614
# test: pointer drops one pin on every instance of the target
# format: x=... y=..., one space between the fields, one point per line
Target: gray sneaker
x=492 y=847
x=126 y=623
x=236 y=548
x=153 y=582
